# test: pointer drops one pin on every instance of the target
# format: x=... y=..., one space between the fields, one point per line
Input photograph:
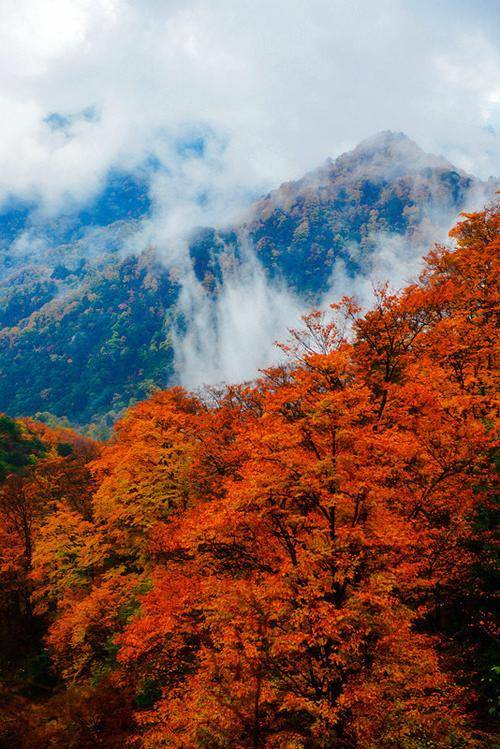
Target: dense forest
x=304 y=562
x=86 y=328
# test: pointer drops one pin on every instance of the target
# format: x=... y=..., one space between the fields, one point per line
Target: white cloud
x=284 y=84
x=232 y=335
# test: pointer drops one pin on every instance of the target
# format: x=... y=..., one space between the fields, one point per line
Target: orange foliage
x=290 y=564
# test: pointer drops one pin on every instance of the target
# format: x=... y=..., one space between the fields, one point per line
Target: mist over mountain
x=386 y=184
x=88 y=327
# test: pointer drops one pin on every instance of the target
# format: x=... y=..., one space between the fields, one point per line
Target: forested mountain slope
x=85 y=329
x=386 y=184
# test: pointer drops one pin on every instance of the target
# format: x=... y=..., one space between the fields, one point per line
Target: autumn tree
x=305 y=561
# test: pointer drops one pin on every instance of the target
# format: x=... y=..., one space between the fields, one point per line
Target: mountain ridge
x=96 y=333
x=363 y=191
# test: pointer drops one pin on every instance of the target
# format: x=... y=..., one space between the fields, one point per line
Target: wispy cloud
x=229 y=336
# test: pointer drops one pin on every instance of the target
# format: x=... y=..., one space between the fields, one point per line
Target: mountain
x=85 y=328
x=386 y=184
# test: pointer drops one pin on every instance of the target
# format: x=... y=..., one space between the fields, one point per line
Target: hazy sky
x=272 y=87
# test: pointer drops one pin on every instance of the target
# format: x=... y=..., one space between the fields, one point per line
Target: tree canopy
x=306 y=561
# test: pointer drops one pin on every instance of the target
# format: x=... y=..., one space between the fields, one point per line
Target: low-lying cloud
x=229 y=336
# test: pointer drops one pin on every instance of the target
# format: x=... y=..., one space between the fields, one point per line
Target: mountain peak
x=391 y=150
x=386 y=157
x=384 y=139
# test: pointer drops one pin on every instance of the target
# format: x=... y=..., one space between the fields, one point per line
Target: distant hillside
x=94 y=351
x=85 y=330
